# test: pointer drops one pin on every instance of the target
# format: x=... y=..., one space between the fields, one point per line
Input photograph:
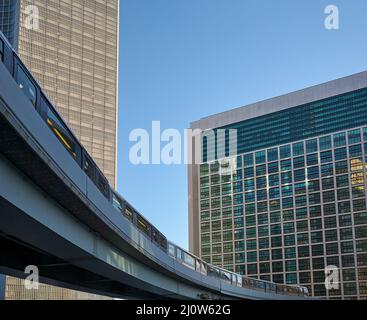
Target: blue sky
x=182 y=60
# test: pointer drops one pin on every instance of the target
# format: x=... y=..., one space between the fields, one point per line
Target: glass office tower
x=294 y=199
x=9 y=20
x=74 y=56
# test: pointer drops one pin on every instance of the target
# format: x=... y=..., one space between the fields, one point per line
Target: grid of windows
x=73 y=56
x=292 y=124
x=9 y=20
x=284 y=213
x=14 y=290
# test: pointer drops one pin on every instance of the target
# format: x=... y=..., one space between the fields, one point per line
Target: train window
x=62 y=133
x=211 y=271
x=306 y=293
x=1 y=50
x=252 y=283
x=203 y=268
x=159 y=239
x=179 y=253
x=280 y=288
x=155 y=235
x=102 y=185
x=267 y=286
x=171 y=250
x=117 y=202
x=239 y=281
x=27 y=85
x=214 y=272
x=226 y=276
x=89 y=168
x=260 y=284
x=273 y=287
x=163 y=242
x=188 y=259
x=143 y=225
x=234 y=278
x=197 y=265
x=128 y=213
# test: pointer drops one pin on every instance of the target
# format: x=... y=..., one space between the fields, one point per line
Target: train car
x=42 y=104
x=274 y=288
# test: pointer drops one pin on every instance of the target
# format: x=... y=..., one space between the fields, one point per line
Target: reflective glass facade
x=9 y=20
x=293 y=199
x=299 y=122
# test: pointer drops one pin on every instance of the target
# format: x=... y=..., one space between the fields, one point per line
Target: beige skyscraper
x=72 y=50
x=74 y=57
